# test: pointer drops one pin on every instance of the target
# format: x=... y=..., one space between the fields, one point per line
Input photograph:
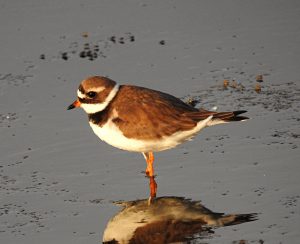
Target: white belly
x=111 y=134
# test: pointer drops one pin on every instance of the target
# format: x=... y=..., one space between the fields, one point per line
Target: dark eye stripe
x=91 y=94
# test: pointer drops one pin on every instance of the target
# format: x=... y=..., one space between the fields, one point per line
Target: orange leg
x=153 y=187
x=149 y=159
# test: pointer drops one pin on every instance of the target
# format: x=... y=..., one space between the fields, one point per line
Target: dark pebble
x=64 y=56
x=42 y=56
x=121 y=40
x=132 y=38
x=162 y=42
x=112 y=39
x=89 y=54
x=82 y=54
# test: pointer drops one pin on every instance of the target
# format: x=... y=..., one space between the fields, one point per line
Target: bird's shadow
x=169 y=219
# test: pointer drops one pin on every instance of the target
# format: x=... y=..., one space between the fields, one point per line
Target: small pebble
x=162 y=42
x=85 y=34
x=225 y=84
x=82 y=54
x=132 y=38
x=64 y=56
x=121 y=40
x=96 y=48
x=192 y=102
x=89 y=54
x=259 y=78
x=112 y=39
x=257 y=88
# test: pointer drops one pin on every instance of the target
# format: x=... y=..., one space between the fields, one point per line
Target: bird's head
x=94 y=94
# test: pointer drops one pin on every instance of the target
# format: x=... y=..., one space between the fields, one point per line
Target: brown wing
x=147 y=114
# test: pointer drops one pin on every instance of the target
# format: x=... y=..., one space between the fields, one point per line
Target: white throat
x=92 y=108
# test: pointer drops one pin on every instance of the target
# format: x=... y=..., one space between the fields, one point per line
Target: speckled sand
x=58 y=180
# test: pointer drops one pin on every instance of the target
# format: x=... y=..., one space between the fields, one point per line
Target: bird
x=169 y=219
x=143 y=120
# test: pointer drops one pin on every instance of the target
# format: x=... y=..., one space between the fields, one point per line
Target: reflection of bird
x=140 y=119
x=166 y=220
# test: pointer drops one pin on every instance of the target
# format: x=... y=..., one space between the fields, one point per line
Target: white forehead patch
x=80 y=94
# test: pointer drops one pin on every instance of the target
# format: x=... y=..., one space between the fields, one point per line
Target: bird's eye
x=91 y=94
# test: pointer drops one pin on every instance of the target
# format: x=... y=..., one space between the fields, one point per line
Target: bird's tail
x=217 y=117
x=230 y=116
x=235 y=219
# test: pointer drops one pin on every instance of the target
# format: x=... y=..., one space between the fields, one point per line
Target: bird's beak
x=75 y=104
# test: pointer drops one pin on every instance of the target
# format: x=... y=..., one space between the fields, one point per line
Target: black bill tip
x=70 y=107
x=75 y=104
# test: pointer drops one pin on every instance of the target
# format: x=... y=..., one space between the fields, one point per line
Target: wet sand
x=58 y=181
